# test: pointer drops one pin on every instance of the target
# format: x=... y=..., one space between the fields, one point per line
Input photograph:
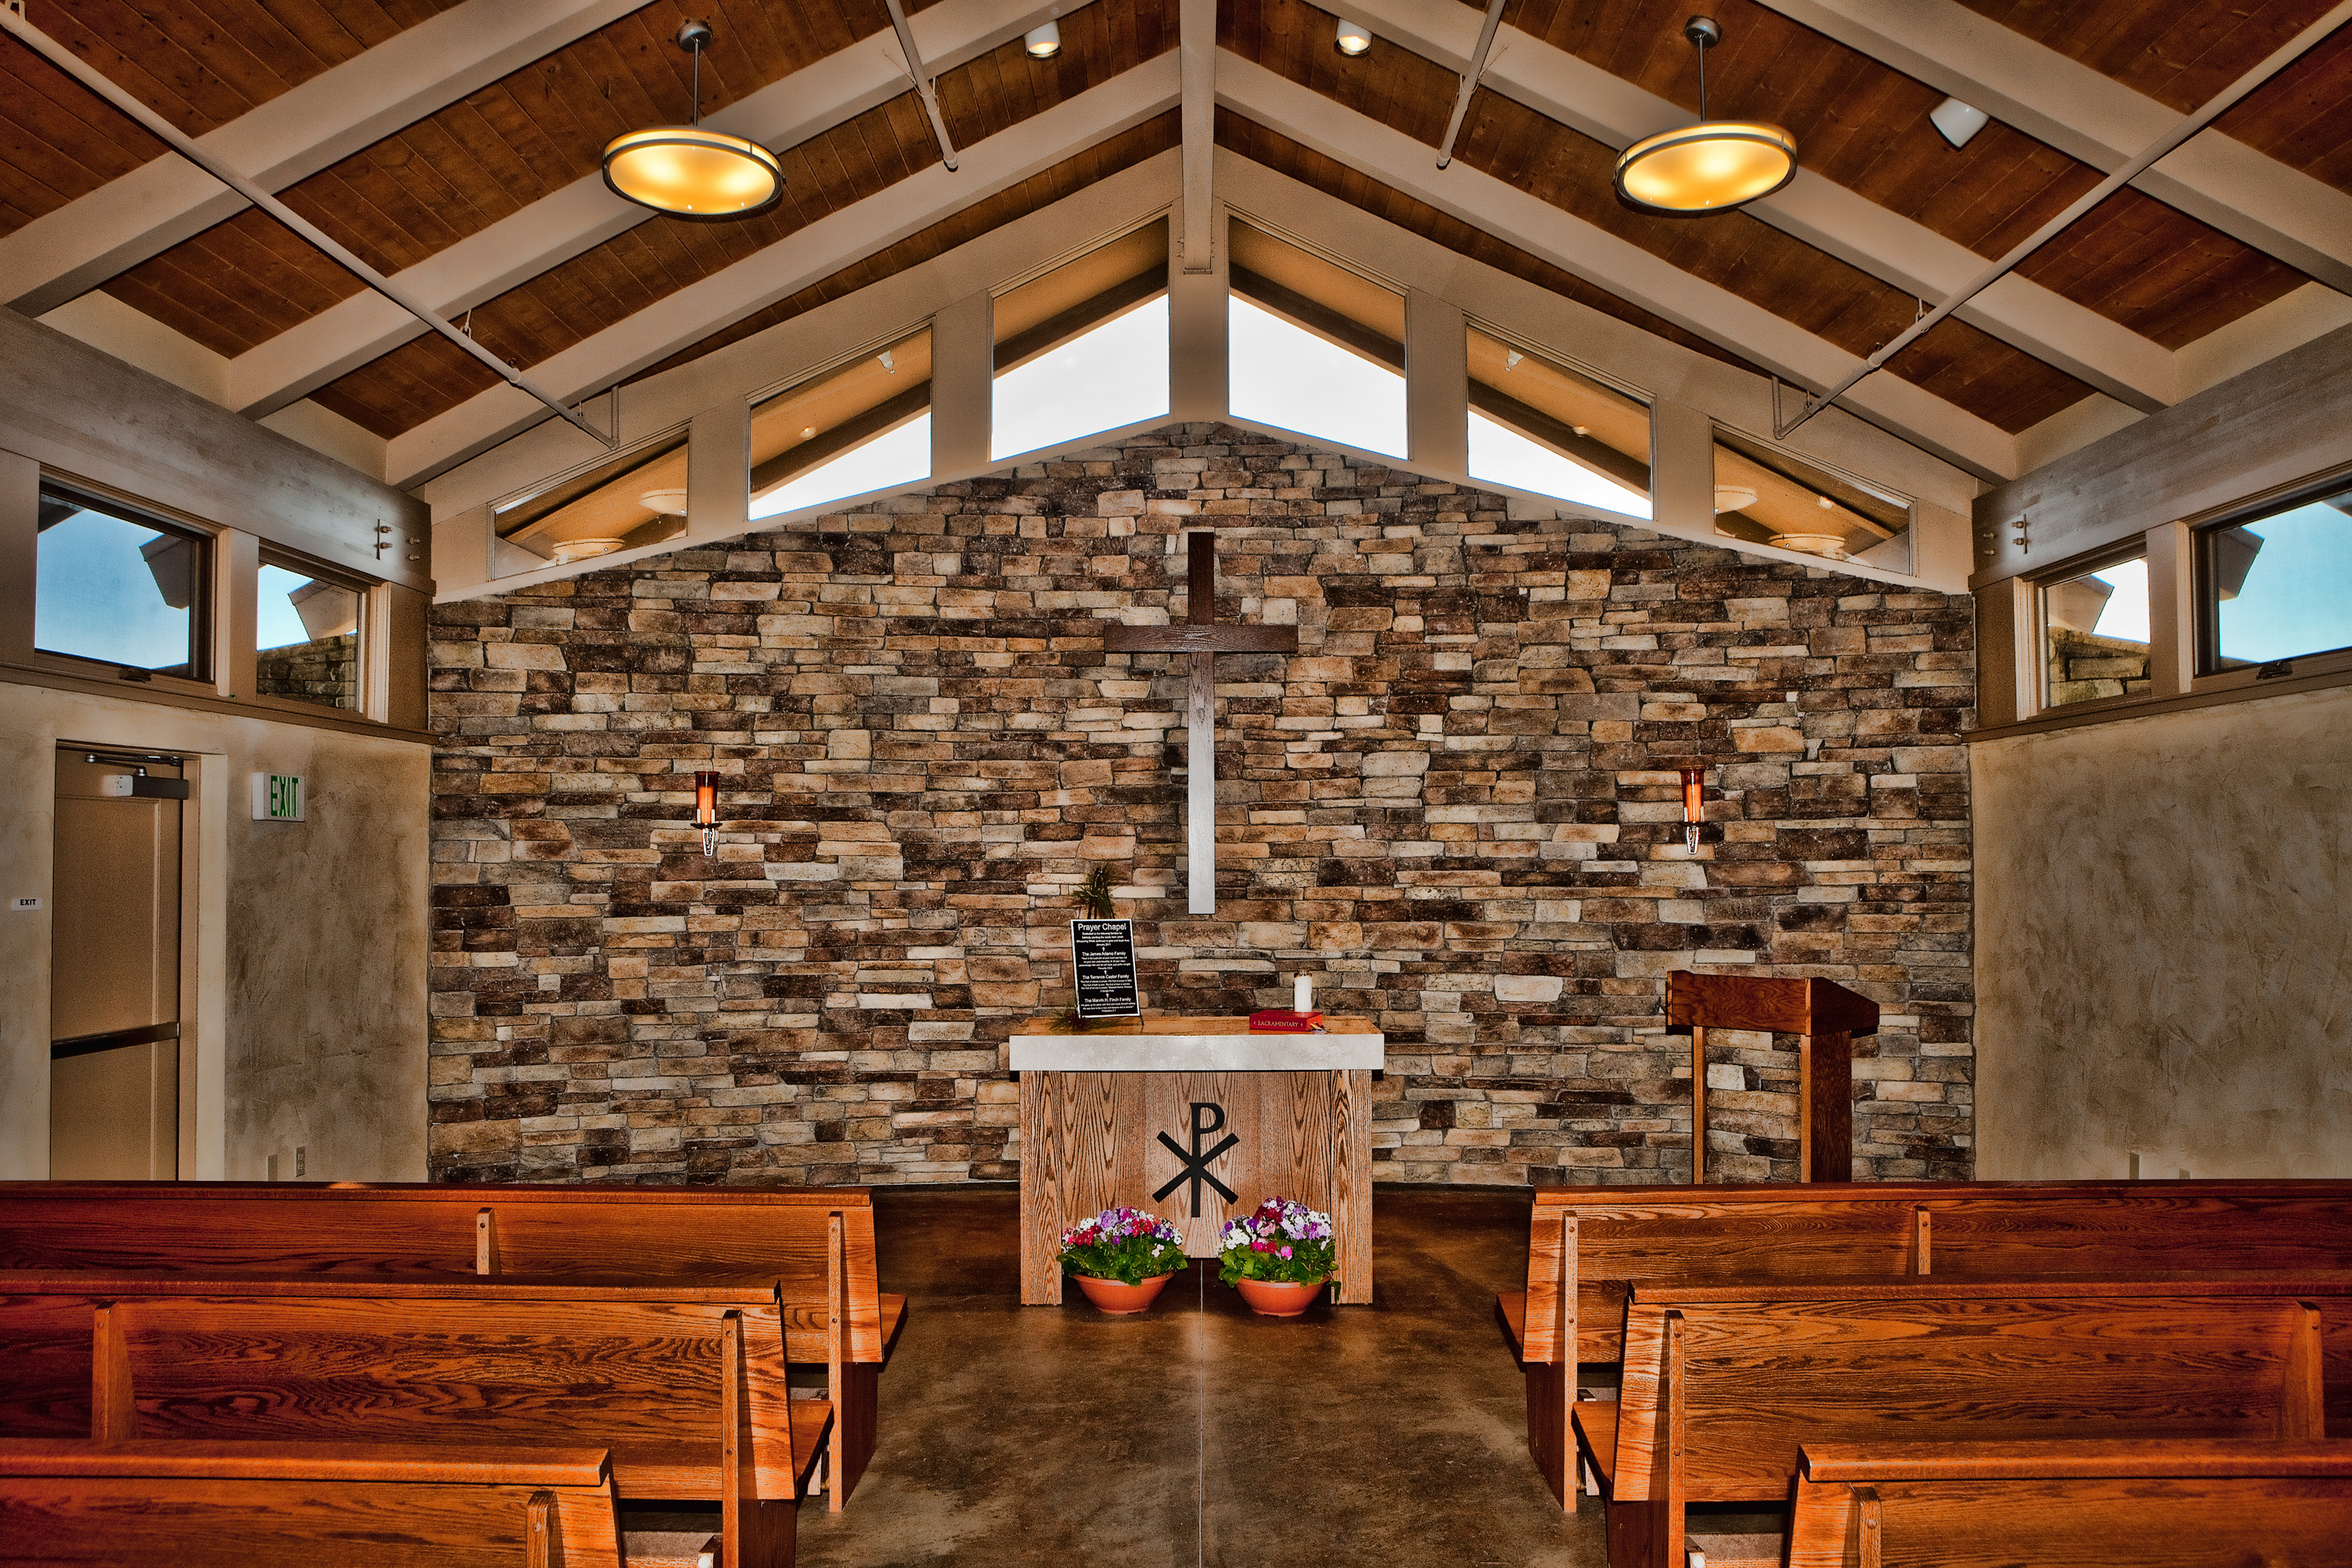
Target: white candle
x=1302 y=995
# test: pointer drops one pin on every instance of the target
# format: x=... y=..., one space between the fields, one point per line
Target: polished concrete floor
x=1200 y=1434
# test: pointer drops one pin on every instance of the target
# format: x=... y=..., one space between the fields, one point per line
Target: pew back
x=1748 y=1376
x=2167 y=1503
x=261 y=1505
x=643 y=1234
x=1681 y=1235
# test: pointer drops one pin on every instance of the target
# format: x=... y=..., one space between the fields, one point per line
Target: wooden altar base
x=1093 y=1140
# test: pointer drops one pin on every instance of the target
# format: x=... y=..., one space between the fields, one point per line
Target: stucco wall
x=311 y=1010
x=2164 y=921
x=1456 y=804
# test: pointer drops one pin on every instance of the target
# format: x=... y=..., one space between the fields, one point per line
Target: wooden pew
x=1724 y=1385
x=816 y=1245
x=2178 y=1503
x=685 y=1385
x=261 y=1505
x=1588 y=1246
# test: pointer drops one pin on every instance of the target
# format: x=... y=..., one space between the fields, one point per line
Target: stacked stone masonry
x=1455 y=805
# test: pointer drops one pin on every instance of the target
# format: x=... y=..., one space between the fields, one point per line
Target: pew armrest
x=812 y=1430
x=1595 y=1421
x=1511 y=1310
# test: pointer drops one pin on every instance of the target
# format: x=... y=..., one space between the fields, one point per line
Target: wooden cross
x=1202 y=637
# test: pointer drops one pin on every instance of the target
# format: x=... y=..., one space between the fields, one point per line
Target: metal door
x=114 y=967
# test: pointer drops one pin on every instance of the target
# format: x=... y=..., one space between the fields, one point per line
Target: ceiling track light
x=1712 y=166
x=1956 y=121
x=1354 y=37
x=691 y=172
x=1043 y=43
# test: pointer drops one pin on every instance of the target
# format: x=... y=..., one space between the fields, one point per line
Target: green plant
x=1094 y=893
x=1122 y=1244
x=1281 y=1241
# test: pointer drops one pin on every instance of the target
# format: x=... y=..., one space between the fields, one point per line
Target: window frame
x=2205 y=604
x=363 y=630
x=207 y=615
x=2038 y=586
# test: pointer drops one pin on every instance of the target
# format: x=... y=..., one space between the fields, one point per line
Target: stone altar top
x=1197 y=1045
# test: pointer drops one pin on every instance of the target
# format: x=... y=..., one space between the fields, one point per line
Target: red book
x=1283 y=1021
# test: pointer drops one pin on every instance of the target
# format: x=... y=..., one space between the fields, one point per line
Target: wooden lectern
x=1824 y=1013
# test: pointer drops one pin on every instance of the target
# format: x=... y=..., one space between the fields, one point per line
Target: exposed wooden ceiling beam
x=405 y=78
x=585 y=214
x=2105 y=354
x=1626 y=269
x=2220 y=181
x=804 y=258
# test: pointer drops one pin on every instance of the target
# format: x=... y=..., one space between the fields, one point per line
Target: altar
x=1197 y=1120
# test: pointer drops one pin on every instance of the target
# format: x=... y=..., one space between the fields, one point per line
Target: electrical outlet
x=302 y=1160
x=269 y=1169
x=2135 y=1164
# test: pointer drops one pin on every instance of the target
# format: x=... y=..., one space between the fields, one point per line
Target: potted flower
x=1121 y=1258
x=1279 y=1256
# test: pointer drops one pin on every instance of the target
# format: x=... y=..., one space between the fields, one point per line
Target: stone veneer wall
x=325 y=671
x=1455 y=803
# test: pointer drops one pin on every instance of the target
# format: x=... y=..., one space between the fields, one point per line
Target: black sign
x=1196 y=1163
x=1105 y=951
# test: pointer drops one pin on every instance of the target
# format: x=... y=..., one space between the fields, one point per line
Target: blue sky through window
x=95 y=597
x=2297 y=596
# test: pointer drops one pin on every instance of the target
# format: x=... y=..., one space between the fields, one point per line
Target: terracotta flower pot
x=1121 y=1300
x=1278 y=1299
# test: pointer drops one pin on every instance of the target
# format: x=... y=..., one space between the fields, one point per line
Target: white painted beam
x=2256 y=199
x=585 y=214
x=1197 y=42
x=403 y=80
x=2108 y=356
x=807 y=256
x=1623 y=269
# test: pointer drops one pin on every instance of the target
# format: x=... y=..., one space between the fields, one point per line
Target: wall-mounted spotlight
x=1354 y=37
x=1694 y=804
x=1043 y=43
x=706 y=811
x=1956 y=121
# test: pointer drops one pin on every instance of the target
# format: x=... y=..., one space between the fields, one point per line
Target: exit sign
x=278 y=798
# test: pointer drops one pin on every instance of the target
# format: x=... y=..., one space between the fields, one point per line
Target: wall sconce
x=706 y=811
x=1694 y=804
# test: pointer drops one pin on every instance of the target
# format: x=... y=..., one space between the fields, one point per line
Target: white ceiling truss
x=2258 y=201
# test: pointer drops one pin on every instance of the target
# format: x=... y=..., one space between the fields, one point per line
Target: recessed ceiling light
x=1712 y=166
x=687 y=171
x=1043 y=43
x=1354 y=37
x=808 y=432
x=1956 y=121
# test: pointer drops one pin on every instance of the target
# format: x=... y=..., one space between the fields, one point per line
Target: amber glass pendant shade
x=1712 y=166
x=1707 y=167
x=688 y=171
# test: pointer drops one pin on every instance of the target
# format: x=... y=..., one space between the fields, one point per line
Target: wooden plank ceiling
x=199 y=67
x=2182 y=52
x=492 y=153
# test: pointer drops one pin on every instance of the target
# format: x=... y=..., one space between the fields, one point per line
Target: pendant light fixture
x=1711 y=166
x=687 y=171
